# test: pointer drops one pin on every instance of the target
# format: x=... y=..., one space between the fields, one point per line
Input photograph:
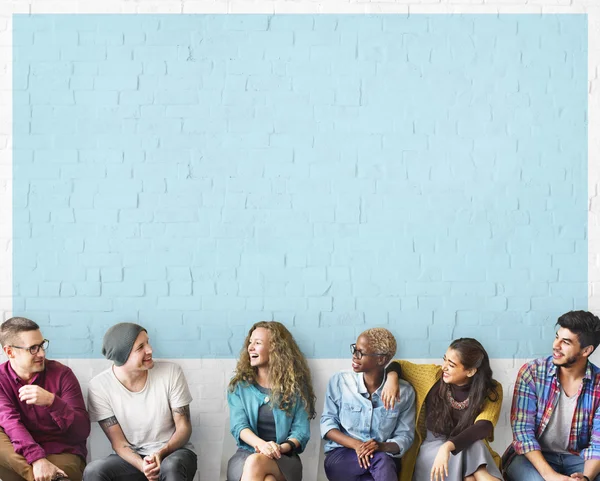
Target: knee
x=255 y=464
x=520 y=469
x=178 y=467
x=382 y=459
x=94 y=471
x=169 y=467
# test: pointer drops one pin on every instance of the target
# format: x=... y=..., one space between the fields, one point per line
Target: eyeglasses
x=33 y=350
x=359 y=354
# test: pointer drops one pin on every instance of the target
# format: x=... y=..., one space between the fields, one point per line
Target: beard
x=568 y=361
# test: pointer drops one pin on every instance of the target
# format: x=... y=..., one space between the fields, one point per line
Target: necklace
x=459 y=406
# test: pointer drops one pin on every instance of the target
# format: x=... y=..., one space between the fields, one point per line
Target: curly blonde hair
x=381 y=341
x=289 y=374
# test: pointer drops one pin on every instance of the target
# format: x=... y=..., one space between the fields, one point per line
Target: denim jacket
x=348 y=408
x=244 y=402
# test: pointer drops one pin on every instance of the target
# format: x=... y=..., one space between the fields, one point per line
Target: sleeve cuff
x=590 y=454
x=326 y=427
x=33 y=454
x=522 y=447
x=238 y=429
x=58 y=406
x=400 y=451
x=394 y=367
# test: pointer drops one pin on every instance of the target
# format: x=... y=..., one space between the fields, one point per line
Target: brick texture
x=208 y=376
x=332 y=172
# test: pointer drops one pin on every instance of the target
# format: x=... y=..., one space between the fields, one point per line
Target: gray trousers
x=180 y=465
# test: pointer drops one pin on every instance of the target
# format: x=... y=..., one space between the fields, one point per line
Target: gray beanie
x=118 y=341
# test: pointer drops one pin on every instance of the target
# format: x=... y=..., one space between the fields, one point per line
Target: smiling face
x=453 y=371
x=258 y=347
x=140 y=357
x=22 y=361
x=566 y=349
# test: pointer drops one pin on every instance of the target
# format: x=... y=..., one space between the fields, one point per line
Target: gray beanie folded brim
x=118 y=341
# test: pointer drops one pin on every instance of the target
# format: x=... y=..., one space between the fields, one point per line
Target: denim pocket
x=351 y=415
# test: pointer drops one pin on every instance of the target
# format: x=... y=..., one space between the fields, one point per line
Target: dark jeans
x=341 y=464
x=180 y=465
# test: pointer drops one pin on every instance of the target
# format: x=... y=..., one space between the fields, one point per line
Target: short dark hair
x=584 y=324
x=13 y=326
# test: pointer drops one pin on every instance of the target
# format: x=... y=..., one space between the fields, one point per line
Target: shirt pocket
x=387 y=423
x=351 y=416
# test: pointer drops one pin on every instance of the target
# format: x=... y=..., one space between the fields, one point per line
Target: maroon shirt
x=37 y=431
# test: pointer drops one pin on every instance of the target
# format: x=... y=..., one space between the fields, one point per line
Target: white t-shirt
x=145 y=417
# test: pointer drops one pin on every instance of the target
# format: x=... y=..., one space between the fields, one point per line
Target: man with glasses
x=43 y=420
x=143 y=408
x=362 y=438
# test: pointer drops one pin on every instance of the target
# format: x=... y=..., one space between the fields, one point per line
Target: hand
x=270 y=449
x=364 y=452
x=439 y=470
x=578 y=476
x=32 y=394
x=44 y=470
x=391 y=391
x=151 y=467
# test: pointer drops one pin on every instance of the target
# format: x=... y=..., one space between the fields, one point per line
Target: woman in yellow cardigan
x=457 y=407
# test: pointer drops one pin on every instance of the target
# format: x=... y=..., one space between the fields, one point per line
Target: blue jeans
x=520 y=469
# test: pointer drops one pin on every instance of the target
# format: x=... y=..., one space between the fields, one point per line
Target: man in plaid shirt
x=555 y=413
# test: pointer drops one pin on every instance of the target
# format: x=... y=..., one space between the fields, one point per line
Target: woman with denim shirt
x=364 y=440
x=271 y=402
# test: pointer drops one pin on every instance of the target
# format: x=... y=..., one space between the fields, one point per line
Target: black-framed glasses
x=358 y=354
x=33 y=350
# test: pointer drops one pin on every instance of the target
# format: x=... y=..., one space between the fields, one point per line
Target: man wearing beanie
x=143 y=408
x=42 y=413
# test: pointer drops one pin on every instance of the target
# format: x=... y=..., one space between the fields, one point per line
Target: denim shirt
x=349 y=409
x=244 y=402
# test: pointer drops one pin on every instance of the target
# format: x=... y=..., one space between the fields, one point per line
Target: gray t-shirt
x=555 y=438
x=145 y=416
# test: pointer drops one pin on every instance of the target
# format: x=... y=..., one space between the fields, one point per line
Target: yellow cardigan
x=422 y=377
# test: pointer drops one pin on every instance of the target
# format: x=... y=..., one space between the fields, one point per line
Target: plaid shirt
x=534 y=400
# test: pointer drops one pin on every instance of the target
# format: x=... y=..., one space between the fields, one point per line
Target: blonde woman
x=271 y=402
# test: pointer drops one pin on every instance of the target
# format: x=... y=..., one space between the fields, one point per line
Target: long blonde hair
x=289 y=375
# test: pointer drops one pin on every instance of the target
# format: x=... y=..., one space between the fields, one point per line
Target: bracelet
x=293 y=447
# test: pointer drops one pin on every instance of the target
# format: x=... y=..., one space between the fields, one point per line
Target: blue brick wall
x=336 y=172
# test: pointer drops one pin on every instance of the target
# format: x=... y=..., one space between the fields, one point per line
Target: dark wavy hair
x=584 y=324
x=472 y=355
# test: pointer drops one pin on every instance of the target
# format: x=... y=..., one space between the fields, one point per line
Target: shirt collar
x=362 y=388
x=15 y=377
x=551 y=368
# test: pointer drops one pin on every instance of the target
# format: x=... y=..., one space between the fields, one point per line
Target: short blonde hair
x=381 y=341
